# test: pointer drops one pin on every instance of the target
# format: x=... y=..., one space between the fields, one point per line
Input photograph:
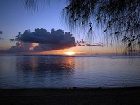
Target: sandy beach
x=73 y=96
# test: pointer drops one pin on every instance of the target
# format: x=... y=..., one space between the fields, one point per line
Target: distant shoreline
x=94 y=55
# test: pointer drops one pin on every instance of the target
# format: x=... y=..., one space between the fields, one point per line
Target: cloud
x=43 y=37
x=0 y=36
x=1 y=32
x=56 y=39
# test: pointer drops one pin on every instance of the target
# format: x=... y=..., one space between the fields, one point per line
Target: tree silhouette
x=119 y=19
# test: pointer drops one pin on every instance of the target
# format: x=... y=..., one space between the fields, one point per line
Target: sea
x=40 y=71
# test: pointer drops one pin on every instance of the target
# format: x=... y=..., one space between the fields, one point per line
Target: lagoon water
x=65 y=72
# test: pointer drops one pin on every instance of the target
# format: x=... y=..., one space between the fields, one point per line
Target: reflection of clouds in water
x=44 y=71
x=46 y=64
x=7 y=64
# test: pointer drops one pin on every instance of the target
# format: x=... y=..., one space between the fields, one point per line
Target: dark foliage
x=119 y=19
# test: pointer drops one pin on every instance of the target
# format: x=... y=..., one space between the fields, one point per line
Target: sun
x=69 y=53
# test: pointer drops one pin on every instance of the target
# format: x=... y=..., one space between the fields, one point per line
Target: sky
x=14 y=18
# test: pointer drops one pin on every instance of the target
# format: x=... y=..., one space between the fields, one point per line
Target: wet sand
x=73 y=96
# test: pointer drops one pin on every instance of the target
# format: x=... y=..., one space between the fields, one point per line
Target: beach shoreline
x=71 y=96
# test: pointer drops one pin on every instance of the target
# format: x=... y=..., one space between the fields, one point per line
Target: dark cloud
x=0 y=36
x=56 y=39
x=1 y=32
x=43 y=37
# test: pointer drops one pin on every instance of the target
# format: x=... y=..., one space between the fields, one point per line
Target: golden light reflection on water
x=34 y=63
x=46 y=63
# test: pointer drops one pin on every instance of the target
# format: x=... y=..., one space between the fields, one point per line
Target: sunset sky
x=14 y=18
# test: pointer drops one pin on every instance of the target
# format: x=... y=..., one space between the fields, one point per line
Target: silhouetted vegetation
x=119 y=19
